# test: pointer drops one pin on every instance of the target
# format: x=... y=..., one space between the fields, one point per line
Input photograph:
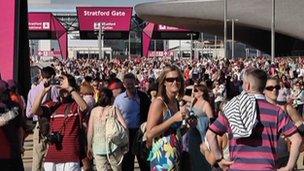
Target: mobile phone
x=47 y=84
x=188 y=92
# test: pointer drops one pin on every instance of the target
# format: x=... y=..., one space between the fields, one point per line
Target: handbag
x=139 y=147
x=115 y=134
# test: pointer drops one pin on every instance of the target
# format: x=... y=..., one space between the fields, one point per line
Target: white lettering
x=99 y=13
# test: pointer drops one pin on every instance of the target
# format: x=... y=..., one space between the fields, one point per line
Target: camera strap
x=67 y=110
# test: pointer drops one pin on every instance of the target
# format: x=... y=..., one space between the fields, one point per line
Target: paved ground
x=27 y=157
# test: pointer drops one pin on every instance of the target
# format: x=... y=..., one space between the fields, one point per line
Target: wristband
x=218 y=160
x=71 y=90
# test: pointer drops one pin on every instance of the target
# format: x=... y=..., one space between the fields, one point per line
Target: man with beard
x=64 y=136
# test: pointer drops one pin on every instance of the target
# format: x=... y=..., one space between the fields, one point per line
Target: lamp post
x=100 y=41
x=129 y=46
x=215 y=45
x=154 y=48
x=232 y=36
x=273 y=31
x=225 y=28
x=191 y=44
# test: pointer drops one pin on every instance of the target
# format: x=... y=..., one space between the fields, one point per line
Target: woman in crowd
x=96 y=133
x=271 y=93
x=223 y=144
x=297 y=96
x=201 y=108
x=164 y=120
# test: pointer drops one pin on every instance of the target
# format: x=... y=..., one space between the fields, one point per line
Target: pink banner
x=8 y=26
x=164 y=28
x=146 y=37
x=40 y=21
x=109 y=18
x=47 y=22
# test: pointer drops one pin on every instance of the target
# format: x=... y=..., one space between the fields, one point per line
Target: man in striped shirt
x=258 y=151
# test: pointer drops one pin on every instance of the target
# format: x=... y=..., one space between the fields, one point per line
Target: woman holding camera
x=65 y=124
x=164 y=119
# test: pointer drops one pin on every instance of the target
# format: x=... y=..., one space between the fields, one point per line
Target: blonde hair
x=86 y=89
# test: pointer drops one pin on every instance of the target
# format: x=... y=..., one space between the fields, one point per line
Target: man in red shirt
x=64 y=139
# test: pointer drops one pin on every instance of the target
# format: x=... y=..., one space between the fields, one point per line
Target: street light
x=232 y=36
x=100 y=41
x=191 y=44
x=273 y=31
x=225 y=28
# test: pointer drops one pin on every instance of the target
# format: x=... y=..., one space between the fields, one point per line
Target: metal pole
x=180 y=49
x=191 y=47
x=154 y=48
x=102 y=37
x=273 y=31
x=232 y=43
x=99 y=41
x=129 y=46
x=225 y=28
x=215 y=45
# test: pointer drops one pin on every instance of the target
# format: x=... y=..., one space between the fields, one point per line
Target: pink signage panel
x=8 y=37
x=109 y=18
x=40 y=21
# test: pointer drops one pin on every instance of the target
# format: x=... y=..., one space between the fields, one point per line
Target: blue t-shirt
x=130 y=109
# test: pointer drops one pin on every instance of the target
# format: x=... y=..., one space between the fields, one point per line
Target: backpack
x=116 y=134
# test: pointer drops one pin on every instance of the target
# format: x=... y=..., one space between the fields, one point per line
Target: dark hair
x=105 y=98
x=47 y=72
x=129 y=76
x=88 y=79
x=203 y=88
x=71 y=80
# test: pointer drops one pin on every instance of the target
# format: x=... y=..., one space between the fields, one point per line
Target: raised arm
x=155 y=126
x=36 y=108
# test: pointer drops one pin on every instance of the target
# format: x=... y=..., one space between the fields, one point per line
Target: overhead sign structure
x=44 y=25
x=115 y=22
x=159 y=31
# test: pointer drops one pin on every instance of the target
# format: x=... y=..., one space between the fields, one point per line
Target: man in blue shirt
x=134 y=106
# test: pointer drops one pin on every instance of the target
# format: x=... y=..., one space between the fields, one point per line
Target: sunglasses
x=195 y=90
x=271 y=88
x=172 y=79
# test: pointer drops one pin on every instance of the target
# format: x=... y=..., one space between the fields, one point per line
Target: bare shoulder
x=96 y=110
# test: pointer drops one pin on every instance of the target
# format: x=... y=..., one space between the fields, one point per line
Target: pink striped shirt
x=257 y=152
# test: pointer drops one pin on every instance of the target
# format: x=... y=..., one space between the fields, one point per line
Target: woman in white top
x=97 y=145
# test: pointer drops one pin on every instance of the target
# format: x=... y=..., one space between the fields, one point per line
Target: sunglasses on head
x=270 y=88
x=172 y=79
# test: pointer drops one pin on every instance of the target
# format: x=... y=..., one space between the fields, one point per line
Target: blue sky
x=70 y=5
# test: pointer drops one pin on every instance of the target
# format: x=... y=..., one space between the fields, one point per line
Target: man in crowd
x=39 y=142
x=254 y=149
x=134 y=106
x=11 y=132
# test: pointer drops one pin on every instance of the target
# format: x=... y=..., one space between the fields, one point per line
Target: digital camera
x=55 y=138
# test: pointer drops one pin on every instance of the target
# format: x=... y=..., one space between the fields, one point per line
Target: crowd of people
x=207 y=114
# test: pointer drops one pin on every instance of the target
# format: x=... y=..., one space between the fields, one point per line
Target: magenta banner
x=40 y=21
x=8 y=26
x=109 y=18
x=47 y=22
x=164 y=28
